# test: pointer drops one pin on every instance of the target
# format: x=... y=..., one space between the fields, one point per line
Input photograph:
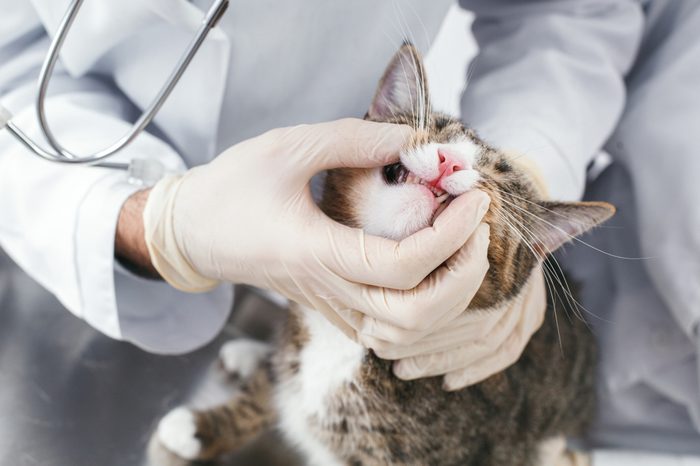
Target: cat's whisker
x=571 y=237
x=563 y=285
x=539 y=206
x=526 y=237
x=532 y=238
x=426 y=36
x=419 y=108
x=551 y=288
x=404 y=32
x=548 y=274
x=575 y=305
x=529 y=238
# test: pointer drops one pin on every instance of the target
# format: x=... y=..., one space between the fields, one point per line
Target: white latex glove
x=248 y=217
x=475 y=345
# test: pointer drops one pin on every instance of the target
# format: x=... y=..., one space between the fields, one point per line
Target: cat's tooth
x=442 y=198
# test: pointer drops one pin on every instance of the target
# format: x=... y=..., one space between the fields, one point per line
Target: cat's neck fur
x=328 y=360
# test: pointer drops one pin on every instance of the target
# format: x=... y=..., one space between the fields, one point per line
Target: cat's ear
x=403 y=89
x=560 y=222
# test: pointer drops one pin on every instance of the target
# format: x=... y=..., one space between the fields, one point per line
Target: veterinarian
x=97 y=241
x=549 y=83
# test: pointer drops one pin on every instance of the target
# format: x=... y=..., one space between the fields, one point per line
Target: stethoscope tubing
x=59 y=153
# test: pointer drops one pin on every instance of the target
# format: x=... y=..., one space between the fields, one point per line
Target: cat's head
x=444 y=160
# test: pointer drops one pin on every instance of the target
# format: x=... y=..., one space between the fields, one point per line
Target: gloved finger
x=506 y=356
x=386 y=349
x=390 y=335
x=453 y=285
x=476 y=323
x=372 y=260
x=454 y=356
x=467 y=326
x=461 y=344
x=342 y=320
x=536 y=299
x=349 y=142
x=534 y=304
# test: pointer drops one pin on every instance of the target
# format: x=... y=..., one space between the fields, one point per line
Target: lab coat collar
x=138 y=42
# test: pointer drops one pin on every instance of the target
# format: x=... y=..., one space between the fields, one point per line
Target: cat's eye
x=395 y=173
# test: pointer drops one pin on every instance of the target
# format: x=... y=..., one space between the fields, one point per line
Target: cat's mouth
x=397 y=173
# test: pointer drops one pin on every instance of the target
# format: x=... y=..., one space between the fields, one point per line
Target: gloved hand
x=248 y=217
x=475 y=345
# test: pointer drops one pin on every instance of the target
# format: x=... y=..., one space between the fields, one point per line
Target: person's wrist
x=129 y=242
x=165 y=231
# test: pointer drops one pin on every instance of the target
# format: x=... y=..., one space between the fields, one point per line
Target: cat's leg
x=240 y=358
x=206 y=434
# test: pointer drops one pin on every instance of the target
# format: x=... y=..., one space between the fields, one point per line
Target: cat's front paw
x=241 y=358
x=177 y=432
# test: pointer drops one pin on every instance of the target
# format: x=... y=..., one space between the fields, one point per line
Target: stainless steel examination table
x=69 y=396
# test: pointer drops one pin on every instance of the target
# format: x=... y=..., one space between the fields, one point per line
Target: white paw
x=176 y=431
x=242 y=357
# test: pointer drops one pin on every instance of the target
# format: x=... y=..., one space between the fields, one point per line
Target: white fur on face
x=392 y=210
x=397 y=210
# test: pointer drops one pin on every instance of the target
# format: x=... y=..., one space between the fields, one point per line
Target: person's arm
x=129 y=242
x=59 y=223
x=548 y=84
x=205 y=226
x=548 y=81
x=246 y=217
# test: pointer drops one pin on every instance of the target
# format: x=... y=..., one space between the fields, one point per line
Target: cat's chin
x=420 y=212
x=441 y=208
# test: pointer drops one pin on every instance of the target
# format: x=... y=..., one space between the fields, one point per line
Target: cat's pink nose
x=449 y=163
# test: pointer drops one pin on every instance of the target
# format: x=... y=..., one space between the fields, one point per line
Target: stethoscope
x=139 y=169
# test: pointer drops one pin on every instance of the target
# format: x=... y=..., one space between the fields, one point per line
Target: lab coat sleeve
x=548 y=80
x=58 y=223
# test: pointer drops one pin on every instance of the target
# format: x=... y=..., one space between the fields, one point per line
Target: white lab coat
x=558 y=81
x=550 y=81
x=58 y=222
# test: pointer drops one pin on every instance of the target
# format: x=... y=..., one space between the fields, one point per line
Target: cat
x=337 y=401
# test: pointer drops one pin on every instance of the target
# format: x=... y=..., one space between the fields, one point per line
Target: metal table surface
x=70 y=396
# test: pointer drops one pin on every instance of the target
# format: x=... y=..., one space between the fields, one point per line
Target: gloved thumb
x=349 y=143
